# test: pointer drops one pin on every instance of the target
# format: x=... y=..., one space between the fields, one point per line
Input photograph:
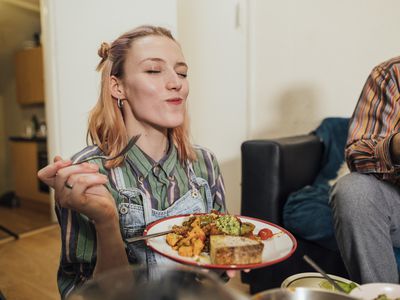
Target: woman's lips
x=175 y=101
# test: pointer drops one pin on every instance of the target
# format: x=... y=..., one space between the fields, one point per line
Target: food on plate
x=347 y=287
x=193 y=238
x=265 y=234
x=235 y=250
x=228 y=224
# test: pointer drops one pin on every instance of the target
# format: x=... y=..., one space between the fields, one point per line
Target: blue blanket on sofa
x=307 y=212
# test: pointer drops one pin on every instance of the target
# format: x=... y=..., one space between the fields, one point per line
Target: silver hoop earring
x=120 y=104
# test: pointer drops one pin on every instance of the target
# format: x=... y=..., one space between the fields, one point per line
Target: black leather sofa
x=271 y=170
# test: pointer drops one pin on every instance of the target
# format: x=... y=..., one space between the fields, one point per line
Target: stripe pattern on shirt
x=374 y=122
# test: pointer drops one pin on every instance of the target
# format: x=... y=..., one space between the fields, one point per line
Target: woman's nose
x=174 y=82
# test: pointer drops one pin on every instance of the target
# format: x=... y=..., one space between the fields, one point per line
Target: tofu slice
x=235 y=250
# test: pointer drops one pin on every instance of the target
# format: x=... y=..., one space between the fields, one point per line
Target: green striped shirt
x=164 y=182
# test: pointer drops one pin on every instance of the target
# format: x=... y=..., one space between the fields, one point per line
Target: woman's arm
x=91 y=198
x=91 y=237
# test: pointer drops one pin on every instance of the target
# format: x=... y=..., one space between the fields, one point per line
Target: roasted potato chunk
x=173 y=239
x=185 y=251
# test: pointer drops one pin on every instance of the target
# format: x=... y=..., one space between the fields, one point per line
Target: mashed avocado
x=228 y=225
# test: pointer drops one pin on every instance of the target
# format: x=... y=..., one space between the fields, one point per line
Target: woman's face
x=155 y=82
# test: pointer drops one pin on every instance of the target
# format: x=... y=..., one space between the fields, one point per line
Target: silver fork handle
x=130 y=144
x=146 y=237
x=89 y=159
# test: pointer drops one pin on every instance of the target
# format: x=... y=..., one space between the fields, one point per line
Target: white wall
x=303 y=61
x=73 y=31
x=213 y=35
x=310 y=59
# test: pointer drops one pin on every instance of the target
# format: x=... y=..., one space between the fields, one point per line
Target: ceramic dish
x=312 y=280
x=276 y=249
x=300 y=293
x=371 y=291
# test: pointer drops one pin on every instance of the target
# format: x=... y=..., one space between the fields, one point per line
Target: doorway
x=24 y=203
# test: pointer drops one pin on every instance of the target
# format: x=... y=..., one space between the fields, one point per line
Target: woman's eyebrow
x=152 y=59
x=157 y=59
x=181 y=64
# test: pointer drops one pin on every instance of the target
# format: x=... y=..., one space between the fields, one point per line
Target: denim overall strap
x=201 y=182
x=122 y=190
x=146 y=207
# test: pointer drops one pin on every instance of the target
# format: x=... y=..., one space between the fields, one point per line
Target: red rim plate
x=225 y=267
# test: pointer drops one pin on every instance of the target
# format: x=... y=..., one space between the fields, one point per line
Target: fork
x=146 y=237
x=130 y=144
x=322 y=272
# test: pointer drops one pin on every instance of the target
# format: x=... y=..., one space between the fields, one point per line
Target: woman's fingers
x=57 y=158
x=48 y=173
x=82 y=182
x=63 y=174
x=89 y=196
x=72 y=194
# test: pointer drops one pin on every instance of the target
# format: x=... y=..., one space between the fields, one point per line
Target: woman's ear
x=117 y=88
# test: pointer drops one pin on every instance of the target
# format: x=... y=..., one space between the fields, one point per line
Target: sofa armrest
x=272 y=169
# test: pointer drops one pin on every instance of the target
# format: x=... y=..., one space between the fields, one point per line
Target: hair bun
x=104 y=50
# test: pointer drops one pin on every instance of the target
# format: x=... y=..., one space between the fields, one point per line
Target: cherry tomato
x=265 y=233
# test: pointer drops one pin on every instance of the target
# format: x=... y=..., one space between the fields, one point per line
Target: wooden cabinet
x=25 y=164
x=29 y=76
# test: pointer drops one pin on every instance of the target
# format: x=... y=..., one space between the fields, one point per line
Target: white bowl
x=300 y=293
x=371 y=291
x=310 y=280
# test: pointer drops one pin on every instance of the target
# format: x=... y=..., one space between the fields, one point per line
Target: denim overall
x=134 y=218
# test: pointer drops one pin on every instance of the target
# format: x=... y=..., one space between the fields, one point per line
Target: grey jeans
x=366 y=214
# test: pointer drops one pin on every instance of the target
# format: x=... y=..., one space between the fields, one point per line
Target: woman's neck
x=152 y=142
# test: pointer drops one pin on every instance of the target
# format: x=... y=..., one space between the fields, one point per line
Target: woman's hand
x=81 y=188
x=48 y=173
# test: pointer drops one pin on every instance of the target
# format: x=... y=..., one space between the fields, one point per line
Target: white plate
x=276 y=249
x=370 y=291
x=310 y=280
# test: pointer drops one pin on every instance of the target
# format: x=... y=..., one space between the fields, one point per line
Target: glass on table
x=156 y=283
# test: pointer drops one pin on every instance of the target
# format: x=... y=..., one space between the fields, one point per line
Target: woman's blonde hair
x=106 y=124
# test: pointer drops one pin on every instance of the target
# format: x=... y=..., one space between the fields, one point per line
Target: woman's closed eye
x=153 y=71
x=181 y=74
x=181 y=71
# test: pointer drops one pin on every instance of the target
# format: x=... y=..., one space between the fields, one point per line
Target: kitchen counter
x=28 y=156
x=36 y=139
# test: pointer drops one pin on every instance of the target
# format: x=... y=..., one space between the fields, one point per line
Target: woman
x=144 y=89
